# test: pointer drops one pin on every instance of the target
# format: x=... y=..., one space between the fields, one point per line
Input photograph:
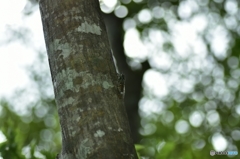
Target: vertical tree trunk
x=91 y=111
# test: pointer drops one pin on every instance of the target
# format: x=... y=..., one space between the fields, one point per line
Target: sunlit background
x=190 y=94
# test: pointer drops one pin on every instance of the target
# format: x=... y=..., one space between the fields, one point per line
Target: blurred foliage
x=193 y=48
x=29 y=121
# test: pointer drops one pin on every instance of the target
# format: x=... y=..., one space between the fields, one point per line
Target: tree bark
x=92 y=114
x=134 y=77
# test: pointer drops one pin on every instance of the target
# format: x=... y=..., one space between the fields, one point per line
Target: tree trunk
x=90 y=106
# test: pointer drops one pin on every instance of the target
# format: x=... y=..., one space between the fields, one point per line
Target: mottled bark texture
x=92 y=115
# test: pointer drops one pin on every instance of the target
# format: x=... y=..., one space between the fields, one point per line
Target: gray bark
x=92 y=114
